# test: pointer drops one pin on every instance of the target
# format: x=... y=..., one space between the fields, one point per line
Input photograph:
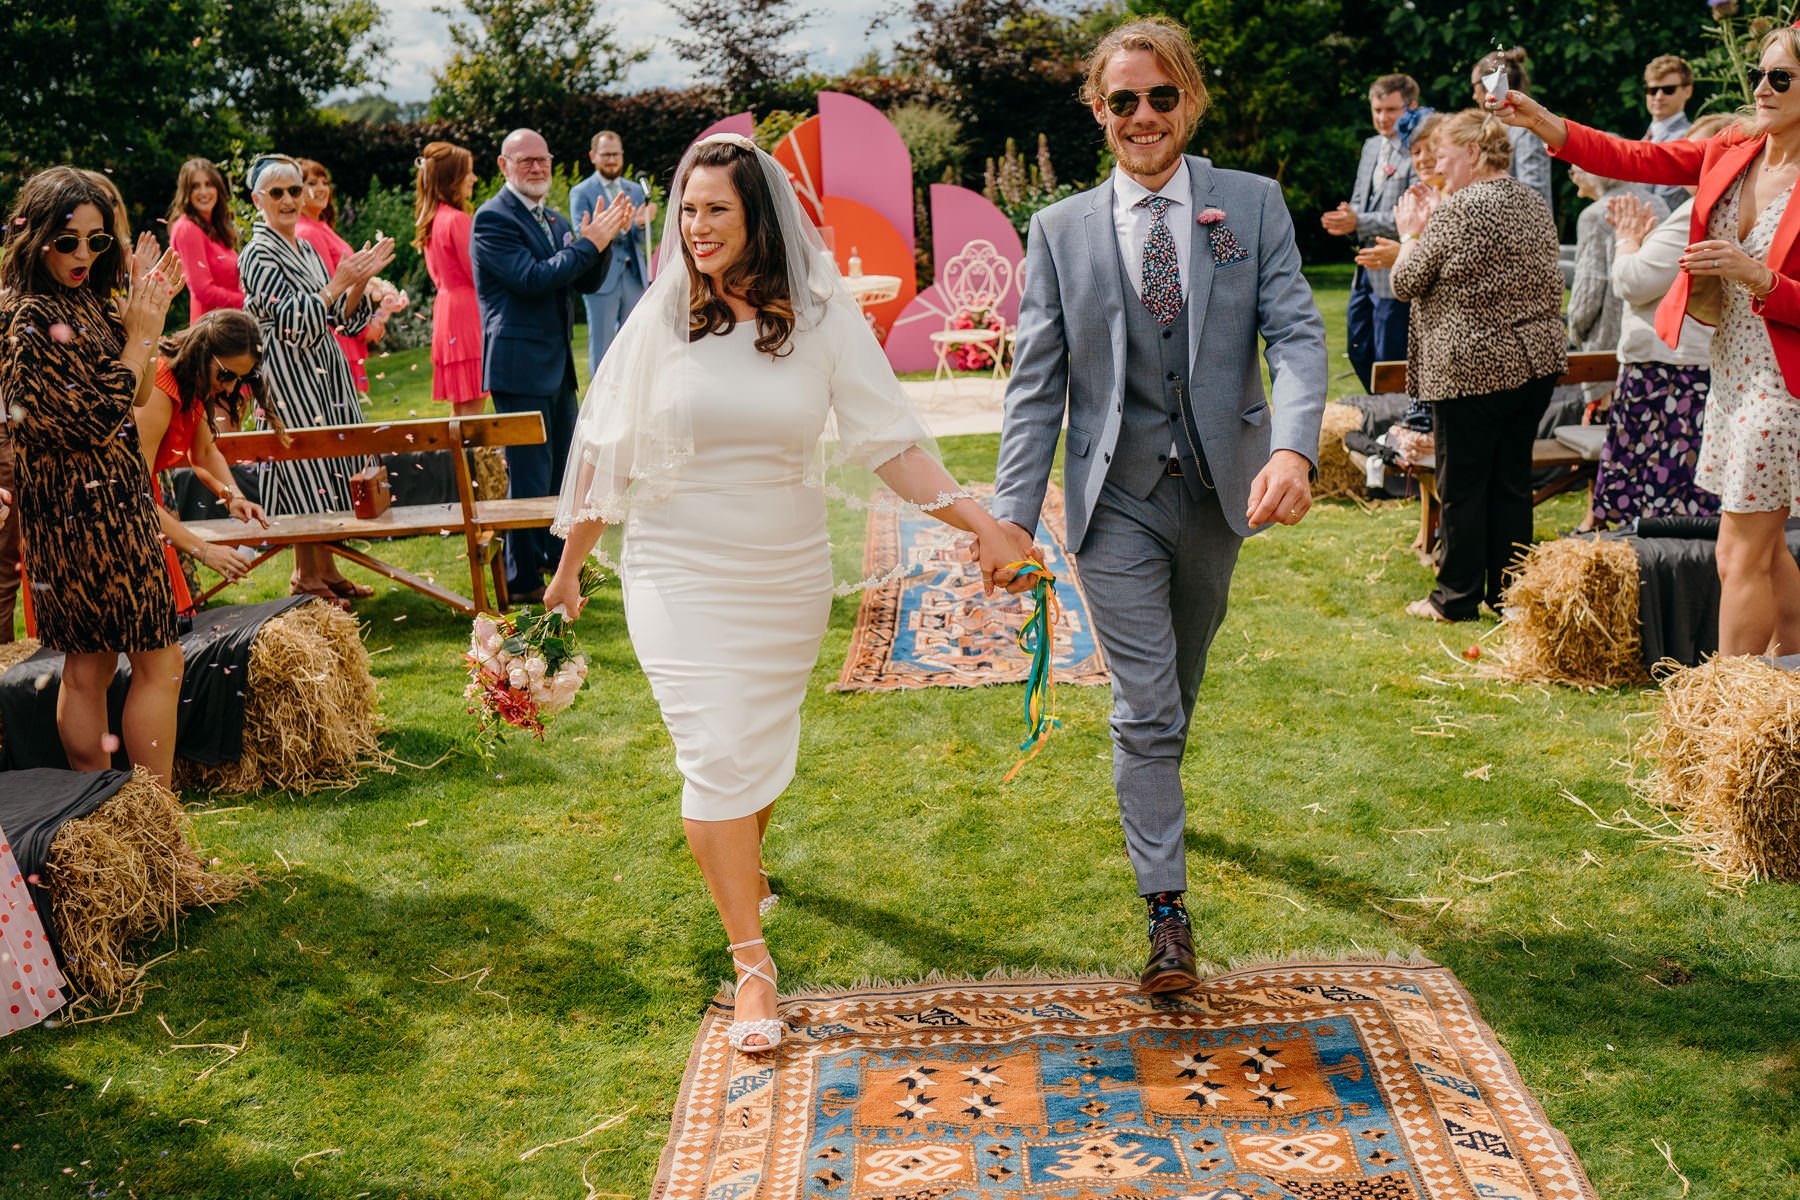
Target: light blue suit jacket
x=628 y=247
x=1069 y=358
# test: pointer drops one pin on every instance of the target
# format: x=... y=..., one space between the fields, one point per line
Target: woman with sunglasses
x=299 y=304
x=82 y=316
x=203 y=233
x=318 y=228
x=1750 y=444
x=212 y=362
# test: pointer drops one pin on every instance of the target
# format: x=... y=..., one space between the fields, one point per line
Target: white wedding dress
x=727 y=575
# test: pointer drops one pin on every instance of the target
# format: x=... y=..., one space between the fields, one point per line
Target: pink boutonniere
x=1389 y=169
x=1210 y=216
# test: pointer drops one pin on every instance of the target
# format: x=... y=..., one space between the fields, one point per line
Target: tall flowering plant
x=523 y=670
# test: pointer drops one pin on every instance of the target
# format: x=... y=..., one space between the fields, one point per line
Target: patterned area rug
x=1301 y=1081
x=933 y=628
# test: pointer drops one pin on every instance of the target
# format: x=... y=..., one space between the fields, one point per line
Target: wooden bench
x=1566 y=468
x=477 y=520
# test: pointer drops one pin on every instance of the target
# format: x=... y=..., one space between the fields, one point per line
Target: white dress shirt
x=1133 y=223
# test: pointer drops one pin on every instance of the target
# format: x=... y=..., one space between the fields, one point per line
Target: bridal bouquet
x=523 y=670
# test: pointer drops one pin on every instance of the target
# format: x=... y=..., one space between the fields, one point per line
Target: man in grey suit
x=1144 y=299
x=1376 y=320
x=1668 y=86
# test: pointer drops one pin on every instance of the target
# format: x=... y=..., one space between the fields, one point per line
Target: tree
x=736 y=44
x=1008 y=69
x=136 y=86
x=523 y=56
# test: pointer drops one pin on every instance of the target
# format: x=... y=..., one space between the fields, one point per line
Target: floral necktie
x=1162 y=271
x=537 y=211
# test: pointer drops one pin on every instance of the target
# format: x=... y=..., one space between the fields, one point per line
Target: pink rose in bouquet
x=974 y=356
x=522 y=670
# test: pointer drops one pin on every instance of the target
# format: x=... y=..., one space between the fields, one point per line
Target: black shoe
x=524 y=592
x=1171 y=967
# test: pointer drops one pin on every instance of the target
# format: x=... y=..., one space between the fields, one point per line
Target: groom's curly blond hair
x=1174 y=52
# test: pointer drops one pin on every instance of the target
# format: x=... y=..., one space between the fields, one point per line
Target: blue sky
x=835 y=37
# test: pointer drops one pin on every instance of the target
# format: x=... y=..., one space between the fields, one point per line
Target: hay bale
x=491 y=477
x=1571 y=616
x=309 y=708
x=1726 y=766
x=1339 y=478
x=125 y=872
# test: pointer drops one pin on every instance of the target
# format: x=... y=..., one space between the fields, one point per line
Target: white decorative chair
x=975 y=280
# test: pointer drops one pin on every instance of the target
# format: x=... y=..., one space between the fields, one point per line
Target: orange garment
x=177 y=440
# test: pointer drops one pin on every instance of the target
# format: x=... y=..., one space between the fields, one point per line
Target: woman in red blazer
x=1741 y=273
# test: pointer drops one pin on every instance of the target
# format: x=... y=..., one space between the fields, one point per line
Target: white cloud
x=836 y=36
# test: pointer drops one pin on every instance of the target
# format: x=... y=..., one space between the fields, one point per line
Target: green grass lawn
x=451 y=964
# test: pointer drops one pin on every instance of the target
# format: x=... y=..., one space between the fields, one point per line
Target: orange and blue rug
x=932 y=627
x=1297 y=1081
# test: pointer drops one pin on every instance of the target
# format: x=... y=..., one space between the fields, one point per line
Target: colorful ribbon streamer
x=1037 y=637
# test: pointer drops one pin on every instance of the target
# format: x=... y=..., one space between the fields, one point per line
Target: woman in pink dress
x=318 y=229
x=441 y=226
x=203 y=233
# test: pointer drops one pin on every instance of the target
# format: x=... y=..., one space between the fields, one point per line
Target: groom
x=1143 y=302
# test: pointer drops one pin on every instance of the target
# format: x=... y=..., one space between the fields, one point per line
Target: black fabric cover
x=210 y=726
x=34 y=806
x=1378 y=410
x=427 y=477
x=1678 y=596
x=1676 y=527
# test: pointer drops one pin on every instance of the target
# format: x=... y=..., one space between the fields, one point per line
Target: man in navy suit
x=529 y=264
x=629 y=273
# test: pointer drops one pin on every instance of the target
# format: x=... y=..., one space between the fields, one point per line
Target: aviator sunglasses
x=1163 y=98
x=67 y=243
x=1780 y=78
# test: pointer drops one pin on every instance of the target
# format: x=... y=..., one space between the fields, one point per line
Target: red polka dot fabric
x=31 y=986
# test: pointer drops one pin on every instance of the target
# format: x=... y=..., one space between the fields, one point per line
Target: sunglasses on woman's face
x=1163 y=98
x=1661 y=89
x=68 y=243
x=225 y=374
x=1780 y=78
x=277 y=193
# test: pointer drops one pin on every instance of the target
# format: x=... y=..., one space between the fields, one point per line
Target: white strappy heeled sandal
x=767 y=902
x=769 y=1029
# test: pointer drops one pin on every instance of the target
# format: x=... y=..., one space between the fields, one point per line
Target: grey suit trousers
x=1157 y=573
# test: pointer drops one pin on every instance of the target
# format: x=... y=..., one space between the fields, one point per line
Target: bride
x=703 y=435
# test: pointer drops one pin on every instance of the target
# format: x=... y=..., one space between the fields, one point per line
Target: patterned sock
x=1166 y=905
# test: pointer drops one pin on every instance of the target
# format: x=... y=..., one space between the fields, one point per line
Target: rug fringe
x=1033 y=974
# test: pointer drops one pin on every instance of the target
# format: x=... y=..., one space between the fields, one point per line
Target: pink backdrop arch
x=958 y=217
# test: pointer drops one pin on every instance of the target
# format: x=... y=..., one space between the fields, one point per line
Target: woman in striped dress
x=299 y=304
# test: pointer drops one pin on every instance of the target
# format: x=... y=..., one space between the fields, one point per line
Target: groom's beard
x=1141 y=161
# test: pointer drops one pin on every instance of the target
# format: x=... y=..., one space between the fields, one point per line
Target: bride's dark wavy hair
x=760 y=273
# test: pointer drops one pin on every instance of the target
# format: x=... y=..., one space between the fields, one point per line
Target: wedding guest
x=299 y=305
x=203 y=233
x=1530 y=161
x=214 y=361
x=700 y=434
x=1668 y=86
x=441 y=227
x=1480 y=267
x=1750 y=450
x=31 y=982
x=1376 y=321
x=1653 y=425
x=529 y=264
x=9 y=530
x=71 y=364
x=317 y=227
x=1593 y=313
x=628 y=273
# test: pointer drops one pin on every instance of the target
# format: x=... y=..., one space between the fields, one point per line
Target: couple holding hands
x=704 y=441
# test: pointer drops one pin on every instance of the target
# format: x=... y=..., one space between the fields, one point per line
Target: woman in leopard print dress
x=1485 y=346
x=71 y=365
